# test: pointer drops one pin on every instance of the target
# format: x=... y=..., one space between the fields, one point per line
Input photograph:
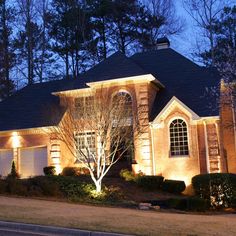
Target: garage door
x=6 y=157
x=32 y=161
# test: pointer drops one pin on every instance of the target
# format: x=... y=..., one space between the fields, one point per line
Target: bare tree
x=204 y=13
x=165 y=9
x=95 y=128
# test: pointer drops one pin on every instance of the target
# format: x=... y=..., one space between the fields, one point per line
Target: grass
x=129 y=221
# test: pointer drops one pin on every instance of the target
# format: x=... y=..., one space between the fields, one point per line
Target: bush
x=3 y=186
x=188 y=204
x=83 y=171
x=150 y=182
x=218 y=188
x=16 y=187
x=70 y=171
x=44 y=185
x=13 y=173
x=127 y=175
x=173 y=186
x=49 y=170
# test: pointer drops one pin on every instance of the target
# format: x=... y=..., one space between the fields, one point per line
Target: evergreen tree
x=125 y=24
x=71 y=32
x=6 y=51
x=225 y=44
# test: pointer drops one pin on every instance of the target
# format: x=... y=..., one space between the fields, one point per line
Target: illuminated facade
x=184 y=133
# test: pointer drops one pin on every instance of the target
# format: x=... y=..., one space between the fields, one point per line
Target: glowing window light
x=15 y=140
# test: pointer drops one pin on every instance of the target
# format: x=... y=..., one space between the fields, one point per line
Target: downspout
x=206 y=145
x=153 y=156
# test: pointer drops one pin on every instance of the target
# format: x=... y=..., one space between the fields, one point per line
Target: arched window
x=178 y=138
x=123 y=102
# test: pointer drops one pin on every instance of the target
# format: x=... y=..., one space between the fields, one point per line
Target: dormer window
x=178 y=138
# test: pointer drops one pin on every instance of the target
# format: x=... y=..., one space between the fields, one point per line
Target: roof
x=29 y=107
x=181 y=77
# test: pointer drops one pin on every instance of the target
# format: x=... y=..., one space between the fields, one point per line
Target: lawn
x=130 y=221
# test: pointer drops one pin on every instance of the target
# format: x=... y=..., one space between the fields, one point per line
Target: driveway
x=119 y=220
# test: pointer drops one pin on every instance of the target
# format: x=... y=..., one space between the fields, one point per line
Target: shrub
x=45 y=185
x=218 y=188
x=188 y=204
x=49 y=170
x=83 y=171
x=127 y=175
x=13 y=173
x=3 y=186
x=197 y=204
x=15 y=186
x=70 y=171
x=173 y=186
x=150 y=182
x=113 y=194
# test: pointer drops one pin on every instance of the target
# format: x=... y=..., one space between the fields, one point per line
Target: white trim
x=210 y=117
x=135 y=79
x=172 y=103
x=74 y=91
x=36 y=130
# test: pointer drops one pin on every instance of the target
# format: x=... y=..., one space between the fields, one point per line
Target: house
x=185 y=133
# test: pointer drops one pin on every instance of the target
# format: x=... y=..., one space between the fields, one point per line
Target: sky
x=183 y=43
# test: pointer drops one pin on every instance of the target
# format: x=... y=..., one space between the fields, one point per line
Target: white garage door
x=6 y=157
x=32 y=161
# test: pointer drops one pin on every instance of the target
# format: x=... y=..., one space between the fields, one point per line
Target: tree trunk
x=98 y=185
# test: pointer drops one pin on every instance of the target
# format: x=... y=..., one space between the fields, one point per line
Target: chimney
x=162 y=43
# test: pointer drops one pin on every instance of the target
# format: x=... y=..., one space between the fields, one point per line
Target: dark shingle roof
x=181 y=77
x=28 y=108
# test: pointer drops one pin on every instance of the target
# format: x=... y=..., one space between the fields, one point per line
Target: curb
x=23 y=227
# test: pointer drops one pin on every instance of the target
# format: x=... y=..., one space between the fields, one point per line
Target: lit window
x=123 y=105
x=178 y=138
x=85 y=146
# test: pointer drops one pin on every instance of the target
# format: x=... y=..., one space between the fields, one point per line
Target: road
x=21 y=229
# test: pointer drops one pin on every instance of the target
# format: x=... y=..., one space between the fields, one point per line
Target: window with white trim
x=178 y=138
x=85 y=145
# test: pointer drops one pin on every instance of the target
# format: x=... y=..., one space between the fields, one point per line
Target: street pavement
x=21 y=229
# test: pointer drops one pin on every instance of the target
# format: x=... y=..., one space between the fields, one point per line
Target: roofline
x=210 y=117
x=27 y=130
x=71 y=91
x=172 y=100
x=139 y=78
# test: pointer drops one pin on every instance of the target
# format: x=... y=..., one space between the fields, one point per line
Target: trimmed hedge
x=150 y=182
x=49 y=170
x=218 y=188
x=70 y=171
x=173 y=186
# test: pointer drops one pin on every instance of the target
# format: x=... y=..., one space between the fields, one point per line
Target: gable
x=182 y=78
x=172 y=106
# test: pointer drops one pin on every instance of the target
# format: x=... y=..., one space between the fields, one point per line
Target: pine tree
x=6 y=51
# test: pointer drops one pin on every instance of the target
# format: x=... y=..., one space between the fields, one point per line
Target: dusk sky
x=186 y=41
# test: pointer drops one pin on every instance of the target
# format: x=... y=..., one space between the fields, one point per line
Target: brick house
x=185 y=135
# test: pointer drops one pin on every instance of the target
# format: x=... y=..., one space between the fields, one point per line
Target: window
x=178 y=138
x=86 y=145
x=123 y=105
